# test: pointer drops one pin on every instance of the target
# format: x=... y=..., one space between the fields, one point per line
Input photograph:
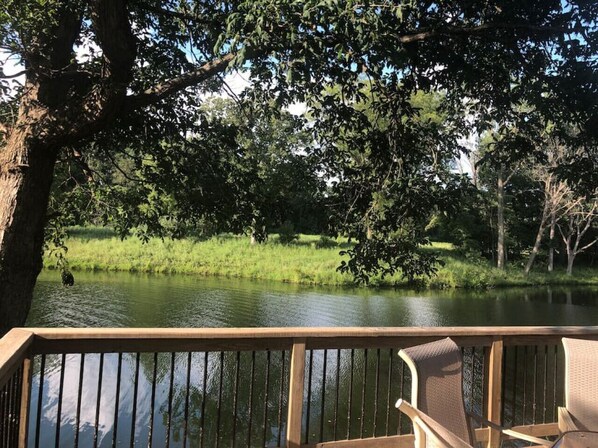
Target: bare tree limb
x=14 y=75
x=587 y=246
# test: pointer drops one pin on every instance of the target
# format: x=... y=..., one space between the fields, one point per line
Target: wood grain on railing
x=495 y=385
x=296 y=385
x=13 y=349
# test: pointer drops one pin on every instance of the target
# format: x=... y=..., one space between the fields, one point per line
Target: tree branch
x=185 y=17
x=179 y=83
x=218 y=65
x=587 y=246
x=110 y=19
x=14 y=75
x=448 y=31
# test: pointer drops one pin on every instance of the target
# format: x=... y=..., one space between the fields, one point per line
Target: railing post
x=495 y=390
x=296 y=386
x=25 y=395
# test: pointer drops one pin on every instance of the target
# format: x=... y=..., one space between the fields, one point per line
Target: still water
x=127 y=300
x=212 y=399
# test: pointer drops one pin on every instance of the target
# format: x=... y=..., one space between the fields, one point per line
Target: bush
x=325 y=242
x=286 y=233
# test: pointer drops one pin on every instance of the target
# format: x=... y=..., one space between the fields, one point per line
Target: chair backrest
x=581 y=382
x=437 y=384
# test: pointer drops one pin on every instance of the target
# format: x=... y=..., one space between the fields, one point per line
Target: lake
x=127 y=414
x=131 y=300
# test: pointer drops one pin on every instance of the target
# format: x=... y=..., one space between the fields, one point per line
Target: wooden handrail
x=19 y=344
x=306 y=332
x=14 y=347
x=107 y=340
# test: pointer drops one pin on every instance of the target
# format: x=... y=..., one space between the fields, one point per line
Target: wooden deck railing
x=295 y=387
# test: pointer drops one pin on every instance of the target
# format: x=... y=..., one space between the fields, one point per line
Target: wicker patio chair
x=438 y=412
x=581 y=386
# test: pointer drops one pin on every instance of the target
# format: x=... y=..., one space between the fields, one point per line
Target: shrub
x=286 y=233
x=325 y=242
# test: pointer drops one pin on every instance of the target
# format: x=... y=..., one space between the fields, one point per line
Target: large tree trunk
x=26 y=172
x=53 y=113
x=500 y=224
x=570 y=260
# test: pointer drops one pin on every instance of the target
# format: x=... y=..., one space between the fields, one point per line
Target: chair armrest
x=431 y=427
x=566 y=422
x=510 y=432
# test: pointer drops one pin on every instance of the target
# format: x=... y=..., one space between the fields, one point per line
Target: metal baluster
x=400 y=414
x=98 y=402
x=483 y=383
x=545 y=381
x=514 y=393
x=311 y=364
x=10 y=395
x=250 y=418
x=153 y=400
x=187 y=394
x=235 y=399
x=377 y=390
x=364 y=386
x=472 y=375
x=337 y=394
x=79 y=397
x=535 y=385
x=40 y=398
x=117 y=399
x=555 y=413
x=323 y=403
x=18 y=386
x=388 y=389
x=5 y=414
x=203 y=400
x=170 y=394
x=350 y=393
x=281 y=396
x=504 y=384
x=524 y=384
x=266 y=397
x=3 y=398
x=60 y=395
x=135 y=390
x=219 y=407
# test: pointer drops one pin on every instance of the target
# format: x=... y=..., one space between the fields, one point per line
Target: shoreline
x=301 y=263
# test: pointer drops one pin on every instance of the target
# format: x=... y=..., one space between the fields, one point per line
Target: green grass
x=98 y=249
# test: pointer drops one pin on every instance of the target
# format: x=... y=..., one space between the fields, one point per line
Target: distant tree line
x=269 y=173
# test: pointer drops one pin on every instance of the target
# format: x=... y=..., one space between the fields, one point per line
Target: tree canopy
x=114 y=75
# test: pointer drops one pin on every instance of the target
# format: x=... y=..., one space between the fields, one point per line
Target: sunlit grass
x=304 y=261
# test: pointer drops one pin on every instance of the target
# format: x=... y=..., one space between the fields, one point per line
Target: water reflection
x=179 y=398
x=119 y=300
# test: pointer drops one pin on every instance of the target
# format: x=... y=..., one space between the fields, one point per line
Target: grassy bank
x=305 y=261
